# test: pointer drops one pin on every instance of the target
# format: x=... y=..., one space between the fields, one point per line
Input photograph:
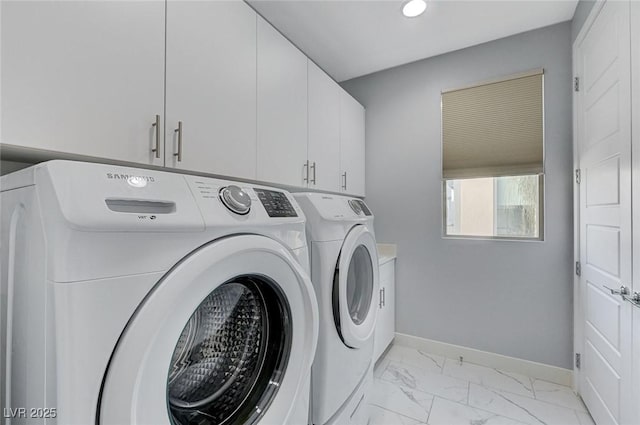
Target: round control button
x=355 y=206
x=235 y=199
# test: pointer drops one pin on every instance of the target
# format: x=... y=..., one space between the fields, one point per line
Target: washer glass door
x=354 y=286
x=231 y=356
x=227 y=336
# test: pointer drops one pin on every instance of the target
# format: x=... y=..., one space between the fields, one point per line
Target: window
x=494 y=207
x=492 y=158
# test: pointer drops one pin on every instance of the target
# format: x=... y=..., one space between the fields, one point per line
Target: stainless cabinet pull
x=179 y=131
x=384 y=297
x=344 y=176
x=305 y=166
x=313 y=167
x=380 y=298
x=157 y=126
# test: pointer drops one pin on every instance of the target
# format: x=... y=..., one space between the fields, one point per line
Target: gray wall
x=579 y=16
x=512 y=298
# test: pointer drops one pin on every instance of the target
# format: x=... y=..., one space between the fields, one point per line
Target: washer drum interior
x=231 y=356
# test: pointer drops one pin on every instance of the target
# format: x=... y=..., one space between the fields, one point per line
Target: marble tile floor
x=413 y=387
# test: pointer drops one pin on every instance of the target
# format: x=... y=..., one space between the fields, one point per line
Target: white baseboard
x=543 y=371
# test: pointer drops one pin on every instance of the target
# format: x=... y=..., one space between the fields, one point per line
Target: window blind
x=494 y=129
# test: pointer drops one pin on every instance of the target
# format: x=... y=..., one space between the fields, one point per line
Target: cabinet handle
x=157 y=126
x=380 y=298
x=384 y=297
x=179 y=131
x=305 y=167
x=313 y=167
x=344 y=176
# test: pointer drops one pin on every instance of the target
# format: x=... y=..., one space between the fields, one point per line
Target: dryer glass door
x=354 y=286
x=359 y=285
x=226 y=337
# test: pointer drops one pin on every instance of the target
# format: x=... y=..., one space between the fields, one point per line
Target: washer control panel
x=275 y=203
x=364 y=207
x=355 y=206
x=235 y=199
x=359 y=207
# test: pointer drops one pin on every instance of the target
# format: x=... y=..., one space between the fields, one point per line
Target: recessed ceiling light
x=414 y=8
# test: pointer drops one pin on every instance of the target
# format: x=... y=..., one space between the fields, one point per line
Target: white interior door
x=635 y=133
x=604 y=156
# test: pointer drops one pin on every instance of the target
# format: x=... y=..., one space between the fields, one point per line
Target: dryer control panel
x=275 y=203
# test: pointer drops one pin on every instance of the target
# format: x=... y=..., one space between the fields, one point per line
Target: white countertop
x=386 y=252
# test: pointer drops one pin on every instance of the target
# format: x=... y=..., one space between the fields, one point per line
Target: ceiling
x=351 y=38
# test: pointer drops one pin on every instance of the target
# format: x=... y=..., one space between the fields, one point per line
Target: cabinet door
x=83 y=77
x=351 y=145
x=211 y=86
x=324 y=130
x=282 y=109
x=378 y=340
x=385 y=323
x=388 y=326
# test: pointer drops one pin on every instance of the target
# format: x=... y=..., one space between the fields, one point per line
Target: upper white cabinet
x=205 y=86
x=351 y=145
x=282 y=109
x=324 y=131
x=84 y=77
x=211 y=87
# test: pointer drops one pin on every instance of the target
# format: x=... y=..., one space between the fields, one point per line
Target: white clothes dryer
x=136 y=296
x=344 y=272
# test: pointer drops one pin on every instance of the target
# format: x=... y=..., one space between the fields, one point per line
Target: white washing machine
x=344 y=272
x=144 y=297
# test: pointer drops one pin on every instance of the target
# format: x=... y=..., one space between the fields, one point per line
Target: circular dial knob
x=355 y=206
x=236 y=199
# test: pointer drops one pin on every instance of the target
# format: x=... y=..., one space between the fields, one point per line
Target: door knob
x=622 y=291
x=633 y=299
